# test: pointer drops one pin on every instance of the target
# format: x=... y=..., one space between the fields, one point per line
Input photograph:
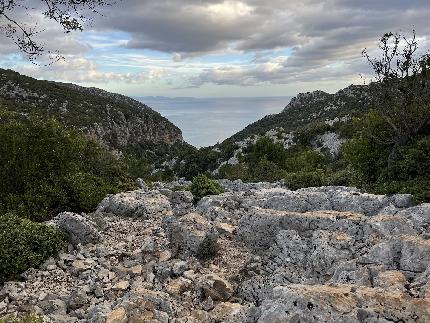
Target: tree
x=401 y=91
x=71 y=15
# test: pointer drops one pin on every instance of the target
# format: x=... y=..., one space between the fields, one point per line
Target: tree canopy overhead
x=71 y=15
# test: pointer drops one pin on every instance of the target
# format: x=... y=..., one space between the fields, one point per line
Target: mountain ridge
x=114 y=120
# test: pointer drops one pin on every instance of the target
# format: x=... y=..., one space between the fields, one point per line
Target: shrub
x=25 y=244
x=208 y=248
x=265 y=149
x=343 y=177
x=46 y=168
x=304 y=179
x=202 y=186
x=28 y=318
x=265 y=170
x=233 y=172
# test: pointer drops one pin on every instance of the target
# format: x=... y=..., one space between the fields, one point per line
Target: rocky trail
x=329 y=254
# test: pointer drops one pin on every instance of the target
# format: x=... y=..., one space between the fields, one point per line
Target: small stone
x=179 y=267
x=150 y=278
x=216 y=287
x=122 y=285
x=208 y=304
x=106 y=275
x=223 y=311
x=225 y=228
x=3 y=306
x=178 y=286
x=136 y=270
x=98 y=292
x=42 y=296
x=117 y=316
x=79 y=265
x=78 y=298
x=165 y=256
x=148 y=245
x=190 y=274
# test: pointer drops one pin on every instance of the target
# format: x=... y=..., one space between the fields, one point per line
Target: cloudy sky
x=216 y=48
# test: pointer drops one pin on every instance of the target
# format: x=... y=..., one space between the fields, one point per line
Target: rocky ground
x=329 y=254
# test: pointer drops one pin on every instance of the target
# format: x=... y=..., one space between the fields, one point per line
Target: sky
x=220 y=48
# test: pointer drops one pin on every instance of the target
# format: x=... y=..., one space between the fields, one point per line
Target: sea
x=206 y=121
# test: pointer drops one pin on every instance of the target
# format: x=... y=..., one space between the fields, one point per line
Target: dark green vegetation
x=28 y=318
x=208 y=248
x=47 y=169
x=63 y=148
x=25 y=244
x=203 y=186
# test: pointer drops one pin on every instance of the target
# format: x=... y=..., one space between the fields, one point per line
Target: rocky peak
x=307 y=98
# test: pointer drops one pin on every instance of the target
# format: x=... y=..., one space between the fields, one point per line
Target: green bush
x=304 y=179
x=265 y=149
x=25 y=244
x=202 y=186
x=28 y=318
x=208 y=248
x=265 y=170
x=47 y=168
x=234 y=172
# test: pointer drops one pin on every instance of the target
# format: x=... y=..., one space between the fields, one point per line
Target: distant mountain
x=114 y=120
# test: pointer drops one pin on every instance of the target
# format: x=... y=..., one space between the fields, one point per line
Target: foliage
x=401 y=92
x=265 y=170
x=25 y=244
x=47 y=168
x=234 y=172
x=390 y=152
x=303 y=179
x=208 y=248
x=265 y=149
x=410 y=174
x=195 y=162
x=306 y=135
x=28 y=318
x=202 y=186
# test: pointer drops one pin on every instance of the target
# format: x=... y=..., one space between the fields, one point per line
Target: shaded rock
x=215 y=287
x=80 y=229
x=188 y=231
x=136 y=204
x=182 y=202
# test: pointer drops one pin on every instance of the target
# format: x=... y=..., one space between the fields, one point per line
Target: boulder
x=182 y=202
x=136 y=204
x=80 y=229
x=189 y=231
x=342 y=303
x=215 y=287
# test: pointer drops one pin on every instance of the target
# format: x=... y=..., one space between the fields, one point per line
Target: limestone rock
x=216 y=287
x=136 y=204
x=79 y=228
x=188 y=231
x=118 y=315
x=182 y=202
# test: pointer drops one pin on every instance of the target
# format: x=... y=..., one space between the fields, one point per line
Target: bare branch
x=71 y=15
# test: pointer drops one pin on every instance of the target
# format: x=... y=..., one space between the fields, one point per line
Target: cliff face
x=114 y=120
